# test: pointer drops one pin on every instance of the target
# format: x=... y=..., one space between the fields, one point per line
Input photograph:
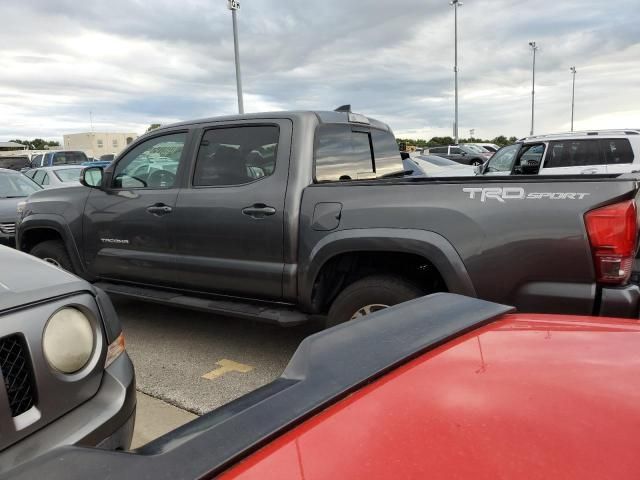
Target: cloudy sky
x=136 y=62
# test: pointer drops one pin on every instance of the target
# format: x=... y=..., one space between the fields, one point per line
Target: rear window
x=573 y=153
x=617 y=150
x=438 y=150
x=345 y=152
x=68 y=174
x=386 y=153
x=342 y=154
x=68 y=158
x=14 y=163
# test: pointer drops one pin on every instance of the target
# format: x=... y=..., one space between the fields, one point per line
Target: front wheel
x=53 y=252
x=369 y=295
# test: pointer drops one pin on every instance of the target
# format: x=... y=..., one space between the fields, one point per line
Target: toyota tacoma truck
x=291 y=216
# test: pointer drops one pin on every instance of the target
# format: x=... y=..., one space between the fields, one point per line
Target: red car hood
x=526 y=397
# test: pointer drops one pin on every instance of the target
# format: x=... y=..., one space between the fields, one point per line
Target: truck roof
x=321 y=116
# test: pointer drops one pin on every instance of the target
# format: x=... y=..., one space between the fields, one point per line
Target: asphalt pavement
x=196 y=361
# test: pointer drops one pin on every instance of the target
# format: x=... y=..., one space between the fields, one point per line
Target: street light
x=534 y=47
x=234 y=6
x=456 y=4
x=573 y=95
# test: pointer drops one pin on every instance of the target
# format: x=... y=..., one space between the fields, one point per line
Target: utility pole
x=456 y=4
x=534 y=48
x=234 y=6
x=573 y=95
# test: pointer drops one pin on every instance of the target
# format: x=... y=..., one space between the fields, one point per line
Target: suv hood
x=25 y=279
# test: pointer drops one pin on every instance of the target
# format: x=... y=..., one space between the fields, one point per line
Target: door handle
x=259 y=210
x=159 y=209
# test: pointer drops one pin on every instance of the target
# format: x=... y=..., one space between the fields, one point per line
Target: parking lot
x=189 y=363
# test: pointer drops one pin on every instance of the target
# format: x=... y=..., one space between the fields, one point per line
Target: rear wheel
x=369 y=295
x=53 y=252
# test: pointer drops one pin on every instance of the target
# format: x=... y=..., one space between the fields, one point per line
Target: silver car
x=56 y=177
x=67 y=377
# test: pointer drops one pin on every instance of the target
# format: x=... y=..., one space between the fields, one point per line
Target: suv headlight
x=68 y=340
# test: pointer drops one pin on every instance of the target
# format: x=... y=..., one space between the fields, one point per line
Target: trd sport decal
x=517 y=193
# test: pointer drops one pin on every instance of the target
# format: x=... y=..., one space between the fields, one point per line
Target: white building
x=95 y=144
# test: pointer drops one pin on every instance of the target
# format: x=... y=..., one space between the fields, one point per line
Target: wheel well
x=31 y=238
x=344 y=269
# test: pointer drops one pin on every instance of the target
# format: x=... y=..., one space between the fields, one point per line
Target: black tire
x=54 y=252
x=375 y=290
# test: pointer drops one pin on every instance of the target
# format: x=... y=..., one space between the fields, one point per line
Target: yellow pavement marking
x=227 y=366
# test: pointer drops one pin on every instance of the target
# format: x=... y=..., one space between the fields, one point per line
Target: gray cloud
x=133 y=63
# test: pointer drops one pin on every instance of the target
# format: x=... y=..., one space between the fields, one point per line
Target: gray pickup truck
x=290 y=216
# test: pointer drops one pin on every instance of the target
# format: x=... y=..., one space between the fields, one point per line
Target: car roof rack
x=321 y=372
x=584 y=133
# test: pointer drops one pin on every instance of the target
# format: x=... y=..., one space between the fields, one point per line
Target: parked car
x=491 y=147
x=462 y=154
x=14 y=189
x=433 y=166
x=577 y=153
x=110 y=157
x=58 y=157
x=67 y=377
x=441 y=387
x=329 y=230
x=56 y=177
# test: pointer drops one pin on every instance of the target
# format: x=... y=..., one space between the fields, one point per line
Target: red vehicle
x=442 y=387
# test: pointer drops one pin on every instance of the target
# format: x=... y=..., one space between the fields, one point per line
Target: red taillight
x=613 y=233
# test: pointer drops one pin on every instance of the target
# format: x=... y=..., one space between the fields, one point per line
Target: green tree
x=153 y=126
x=38 y=143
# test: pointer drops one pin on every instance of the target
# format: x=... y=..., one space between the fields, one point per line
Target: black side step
x=326 y=367
x=271 y=313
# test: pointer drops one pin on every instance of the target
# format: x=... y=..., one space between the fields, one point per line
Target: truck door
x=126 y=225
x=229 y=221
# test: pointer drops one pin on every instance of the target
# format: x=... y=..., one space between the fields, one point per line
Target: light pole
x=534 y=47
x=234 y=6
x=456 y=4
x=573 y=95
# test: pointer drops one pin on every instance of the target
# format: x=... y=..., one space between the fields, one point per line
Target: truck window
x=573 y=153
x=342 y=154
x=69 y=158
x=617 y=151
x=37 y=161
x=503 y=160
x=437 y=150
x=386 y=153
x=236 y=155
x=152 y=164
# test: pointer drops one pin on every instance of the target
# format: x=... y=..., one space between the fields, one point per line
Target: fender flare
x=51 y=221
x=429 y=245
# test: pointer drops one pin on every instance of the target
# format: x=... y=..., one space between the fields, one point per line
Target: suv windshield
x=14 y=185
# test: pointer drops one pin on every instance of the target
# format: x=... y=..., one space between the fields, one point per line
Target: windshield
x=68 y=174
x=14 y=185
x=503 y=160
x=441 y=162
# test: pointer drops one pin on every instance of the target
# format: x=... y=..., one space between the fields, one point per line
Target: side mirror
x=405 y=155
x=92 y=177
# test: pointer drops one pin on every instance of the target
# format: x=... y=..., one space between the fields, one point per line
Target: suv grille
x=8 y=228
x=18 y=377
